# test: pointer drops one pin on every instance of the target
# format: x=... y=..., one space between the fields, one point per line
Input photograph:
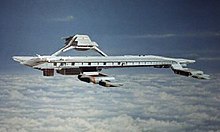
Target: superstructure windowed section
x=62 y=63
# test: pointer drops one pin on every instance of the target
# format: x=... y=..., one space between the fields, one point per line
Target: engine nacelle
x=109 y=84
x=181 y=72
x=94 y=79
x=204 y=76
x=86 y=78
x=48 y=72
x=103 y=80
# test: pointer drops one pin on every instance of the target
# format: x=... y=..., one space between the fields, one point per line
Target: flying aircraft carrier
x=88 y=68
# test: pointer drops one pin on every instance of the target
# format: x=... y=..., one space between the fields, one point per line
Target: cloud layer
x=146 y=102
x=171 y=35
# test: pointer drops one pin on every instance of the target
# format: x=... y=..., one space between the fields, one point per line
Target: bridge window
x=62 y=63
x=104 y=63
x=55 y=64
x=73 y=63
x=89 y=63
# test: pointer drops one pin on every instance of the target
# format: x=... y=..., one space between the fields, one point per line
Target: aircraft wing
x=98 y=78
x=178 y=69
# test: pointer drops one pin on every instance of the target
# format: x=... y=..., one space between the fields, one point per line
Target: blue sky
x=178 y=28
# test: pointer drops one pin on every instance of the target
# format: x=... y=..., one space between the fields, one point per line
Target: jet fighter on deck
x=88 y=68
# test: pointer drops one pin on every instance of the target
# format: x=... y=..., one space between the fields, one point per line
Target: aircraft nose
x=17 y=58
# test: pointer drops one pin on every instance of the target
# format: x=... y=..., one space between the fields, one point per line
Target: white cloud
x=160 y=125
x=63 y=19
x=156 y=36
x=171 y=35
x=198 y=116
x=146 y=102
x=209 y=58
x=15 y=95
x=165 y=96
